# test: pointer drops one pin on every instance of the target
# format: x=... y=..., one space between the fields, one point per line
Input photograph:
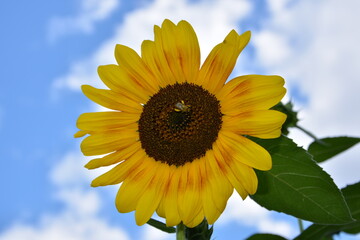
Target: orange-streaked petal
x=111 y=99
x=160 y=211
x=119 y=81
x=135 y=185
x=261 y=124
x=210 y=209
x=166 y=36
x=221 y=187
x=199 y=217
x=189 y=50
x=150 y=199
x=114 y=157
x=174 y=56
x=154 y=58
x=106 y=142
x=191 y=195
x=244 y=150
x=121 y=171
x=228 y=172
x=96 y=121
x=250 y=93
x=170 y=197
x=221 y=61
x=188 y=192
x=246 y=175
x=135 y=67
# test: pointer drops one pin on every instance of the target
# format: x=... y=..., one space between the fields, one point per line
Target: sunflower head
x=177 y=131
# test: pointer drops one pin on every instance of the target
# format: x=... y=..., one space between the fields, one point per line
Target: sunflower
x=178 y=132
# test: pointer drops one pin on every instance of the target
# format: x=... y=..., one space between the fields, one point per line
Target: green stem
x=301 y=226
x=180 y=232
x=309 y=134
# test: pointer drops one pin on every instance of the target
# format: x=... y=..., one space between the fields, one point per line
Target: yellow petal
x=114 y=157
x=238 y=185
x=154 y=58
x=189 y=50
x=219 y=185
x=80 y=133
x=119 y=81
x=152 y=51
x=250 y=93
x=261 y=124
x=221 y=61
x=134 y=66
x=160 y=211
x=111 y=99
x=244 y=150
x=174 y=56
x=191 y=192
x=105 y=120
x=171 y=197
x=196 y=221
x=121 y=171
x=244 y=174
x=105 y=142
x=211 y=212
x=210 y=209
x=189 y=203
x=150 y=199
x=134 y=186
x=167 y=37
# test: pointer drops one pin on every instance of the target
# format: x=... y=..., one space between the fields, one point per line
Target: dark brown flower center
x=179 y=123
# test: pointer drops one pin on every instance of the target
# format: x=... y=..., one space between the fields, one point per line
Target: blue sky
x=50 y=48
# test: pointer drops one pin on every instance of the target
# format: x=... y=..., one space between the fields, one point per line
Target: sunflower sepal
x=201 y=232
x=161 y=226
x=291 y=119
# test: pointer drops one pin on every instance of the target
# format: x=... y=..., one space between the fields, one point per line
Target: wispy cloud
x=316 y=45
x=90 y=12
x=250 y=214
x=79 y=220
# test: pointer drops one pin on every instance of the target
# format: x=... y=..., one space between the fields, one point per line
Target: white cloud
x=323 y=59
x=70 y=171
x=90 y=12
x=64 y=226
x=151 y=233
x=79 y=220
x=250 y=214
x=313 y=44
x=272 y=49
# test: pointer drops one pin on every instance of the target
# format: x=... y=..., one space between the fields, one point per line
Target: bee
x=181 y=107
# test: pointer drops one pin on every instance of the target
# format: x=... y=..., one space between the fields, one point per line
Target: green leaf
x=262 y=236
x=352 y=197
x=161 y=226
x=317 y=231
x=329 y=147
x=296 y=185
